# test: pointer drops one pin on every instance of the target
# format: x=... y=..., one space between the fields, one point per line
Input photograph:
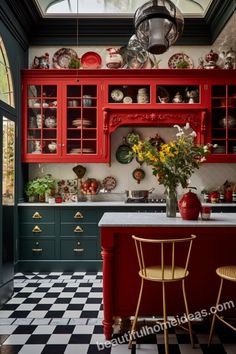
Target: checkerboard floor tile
x=61 y=313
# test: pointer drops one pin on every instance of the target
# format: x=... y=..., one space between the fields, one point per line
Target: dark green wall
x=17 y=51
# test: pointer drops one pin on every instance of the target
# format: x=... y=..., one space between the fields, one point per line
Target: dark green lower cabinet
x=78 y=249
x=62 y=238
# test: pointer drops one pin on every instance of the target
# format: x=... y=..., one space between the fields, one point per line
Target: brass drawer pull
x=78 y=229
x=78 y=249
x=37 y=215
x=37 y=249
x=36 y=229
x=78 y=215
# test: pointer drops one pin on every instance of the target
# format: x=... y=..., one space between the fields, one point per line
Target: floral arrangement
x=174 y=162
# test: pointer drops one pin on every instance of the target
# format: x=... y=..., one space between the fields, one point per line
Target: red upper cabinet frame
x=91 y=104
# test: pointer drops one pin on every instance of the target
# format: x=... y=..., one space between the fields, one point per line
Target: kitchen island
x=214 y=247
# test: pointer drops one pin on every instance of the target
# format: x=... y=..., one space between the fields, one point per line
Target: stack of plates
x=234 y=149
x=75 y=151
x=77 y=123
x=220 y=149
x=88 y=150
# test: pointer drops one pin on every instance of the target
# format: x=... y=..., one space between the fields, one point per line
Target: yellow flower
x=150 y=156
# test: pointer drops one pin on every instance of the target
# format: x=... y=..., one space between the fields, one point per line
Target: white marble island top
x=160 y=219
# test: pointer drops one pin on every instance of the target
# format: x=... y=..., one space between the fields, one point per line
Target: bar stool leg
x=214 y=316
x=187 y=313
x=136 y=314
x=165 y=319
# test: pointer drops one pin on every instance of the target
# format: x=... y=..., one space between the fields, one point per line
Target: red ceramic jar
x=189 y=206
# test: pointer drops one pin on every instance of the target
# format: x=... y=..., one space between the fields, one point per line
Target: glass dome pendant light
x=158 y=24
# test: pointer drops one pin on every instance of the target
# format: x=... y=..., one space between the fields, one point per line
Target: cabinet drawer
x=36 y=214
x=78 y=214
x=78 y=249
x=36 y=249
x=79 y=229
x=37 y=229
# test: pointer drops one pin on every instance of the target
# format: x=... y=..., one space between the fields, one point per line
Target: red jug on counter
x=189 y=206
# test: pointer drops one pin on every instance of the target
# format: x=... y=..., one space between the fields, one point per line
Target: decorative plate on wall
x=177 y=58
x=61 y=59
x=91 y=60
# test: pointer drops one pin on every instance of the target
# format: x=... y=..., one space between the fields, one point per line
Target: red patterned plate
x=91 y=60
x=175 y=59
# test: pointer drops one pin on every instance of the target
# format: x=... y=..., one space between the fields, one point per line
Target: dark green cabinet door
x=81 y=215
x=37 y=230
x=36 y=214
x=78 y=249
x=79 y=229
x=36 y=249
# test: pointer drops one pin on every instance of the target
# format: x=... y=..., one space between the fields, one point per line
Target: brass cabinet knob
x=78 y=215
x=78 y=249
x=78 y=229
x=37 y=249
x=37 y=229
x=37 y=215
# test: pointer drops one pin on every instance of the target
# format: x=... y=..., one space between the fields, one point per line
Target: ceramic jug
x=113 y=59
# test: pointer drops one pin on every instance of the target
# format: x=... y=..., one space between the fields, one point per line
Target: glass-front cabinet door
x=61 y=121
x=42 y=131
x=80 y=126
x=223 y=126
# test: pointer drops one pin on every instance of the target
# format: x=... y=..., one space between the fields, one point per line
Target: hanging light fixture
x=158 y=24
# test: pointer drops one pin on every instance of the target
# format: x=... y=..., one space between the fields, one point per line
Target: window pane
x=6 y=86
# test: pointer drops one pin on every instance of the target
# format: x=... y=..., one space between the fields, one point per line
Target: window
x=113 y=8
x=6 y=85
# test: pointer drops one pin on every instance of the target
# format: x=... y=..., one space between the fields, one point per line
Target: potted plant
x=39 y=186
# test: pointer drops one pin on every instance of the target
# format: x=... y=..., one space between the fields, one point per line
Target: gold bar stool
x=225 y=273
x=165 y=271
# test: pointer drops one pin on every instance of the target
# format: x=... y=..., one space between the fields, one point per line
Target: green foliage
x=74 y=64
x=182 y=64
x=40 y=185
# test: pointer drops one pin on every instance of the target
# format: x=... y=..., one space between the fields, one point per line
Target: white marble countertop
x=113 y=203
x=160 y=219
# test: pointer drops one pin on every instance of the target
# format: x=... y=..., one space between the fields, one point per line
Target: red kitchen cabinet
x=70 y=115
x=62 y=119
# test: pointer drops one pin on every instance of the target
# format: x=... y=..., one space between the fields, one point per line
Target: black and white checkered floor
x=55 y=313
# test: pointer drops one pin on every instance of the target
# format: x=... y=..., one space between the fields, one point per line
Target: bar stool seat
x=225 y=273
x=154 y=273
x=170 y=265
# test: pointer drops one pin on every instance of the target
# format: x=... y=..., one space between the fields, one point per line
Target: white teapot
x=52 y=147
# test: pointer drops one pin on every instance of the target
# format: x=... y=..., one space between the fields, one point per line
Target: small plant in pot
x=40 y=186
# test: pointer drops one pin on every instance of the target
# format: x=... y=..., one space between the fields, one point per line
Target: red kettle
x=189 y=206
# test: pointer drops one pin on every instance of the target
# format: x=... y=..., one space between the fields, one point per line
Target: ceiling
x=33 y=28
x=113 y=8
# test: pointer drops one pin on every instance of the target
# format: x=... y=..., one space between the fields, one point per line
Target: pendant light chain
x=77 y=35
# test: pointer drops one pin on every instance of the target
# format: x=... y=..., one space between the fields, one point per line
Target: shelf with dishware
x=155 y=93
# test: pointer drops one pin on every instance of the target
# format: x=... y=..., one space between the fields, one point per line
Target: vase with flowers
x=174 y=162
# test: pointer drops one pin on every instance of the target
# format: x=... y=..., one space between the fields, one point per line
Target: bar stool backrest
x=171 y=254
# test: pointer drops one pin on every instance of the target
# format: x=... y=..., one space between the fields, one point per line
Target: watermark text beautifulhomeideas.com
x=177 y=320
